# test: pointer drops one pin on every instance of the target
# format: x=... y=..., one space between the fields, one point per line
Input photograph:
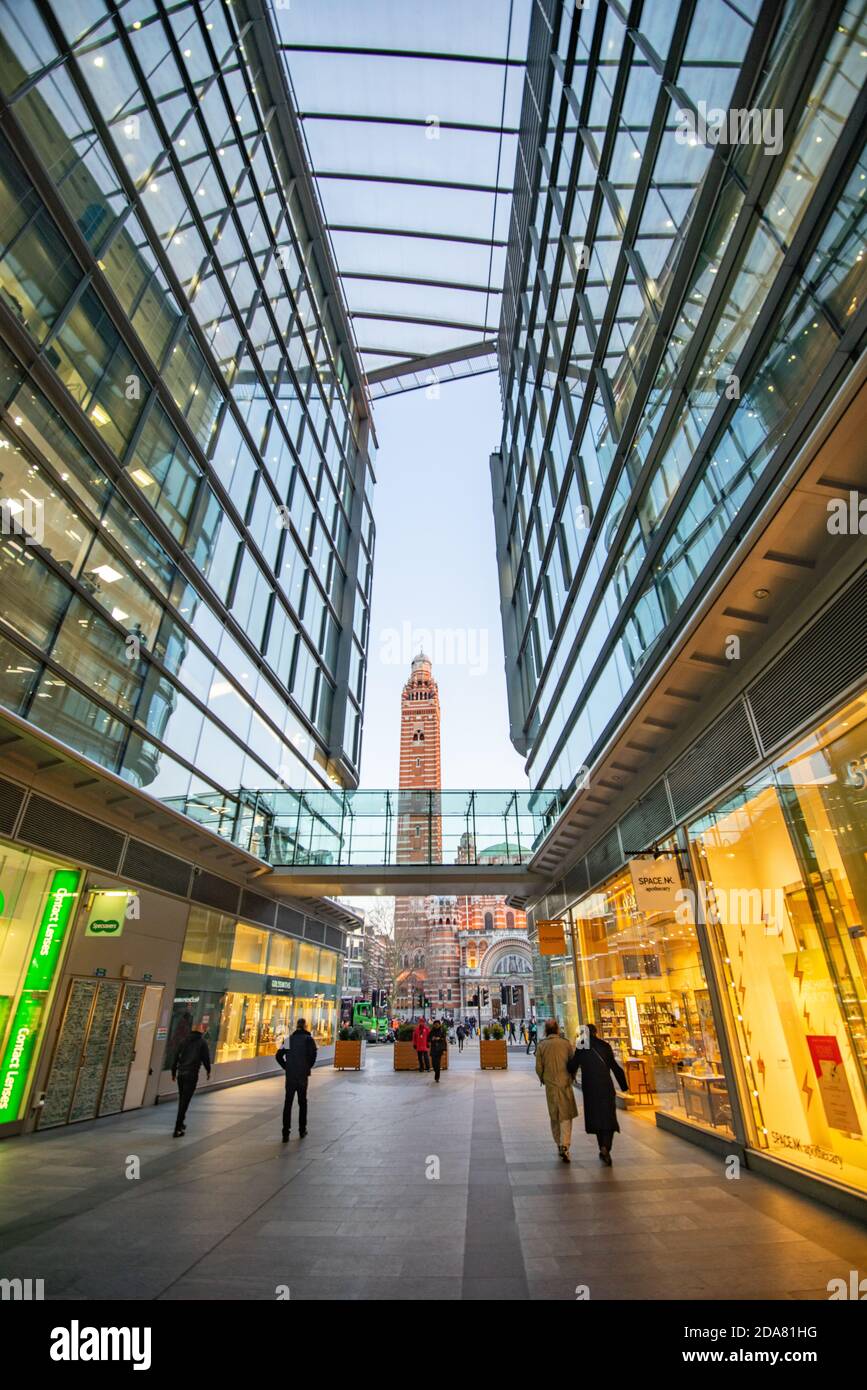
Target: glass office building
x=681 y=359
x=644 y=405
x=185 y=460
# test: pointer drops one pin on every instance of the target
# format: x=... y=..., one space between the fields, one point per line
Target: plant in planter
x=405 y=1058
x=350 y=1049
x=493 y=1054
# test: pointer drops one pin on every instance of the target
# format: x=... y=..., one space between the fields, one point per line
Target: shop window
x=318 y=1014
x=327 y=967
x=250 y=949
x=276 y=1023
x=282 y=956
x=782 y=868
x=37 y=902
x=194 y=1008
x=239 y=1028
x=308 y=961
x=643 y=985
x=208 y=939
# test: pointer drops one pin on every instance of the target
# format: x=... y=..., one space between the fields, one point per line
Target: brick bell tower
x=419 y=832
x=419 y=829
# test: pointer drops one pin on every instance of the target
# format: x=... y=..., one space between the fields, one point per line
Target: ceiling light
x=99 y=416
x=107 y=574
x=761 y=593
x=141 y=477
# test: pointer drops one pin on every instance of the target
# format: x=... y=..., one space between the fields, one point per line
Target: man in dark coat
x=461 y=1034
x=595 y=1060
x=190 y=1056
x=297 y=1057
x=437 y=1048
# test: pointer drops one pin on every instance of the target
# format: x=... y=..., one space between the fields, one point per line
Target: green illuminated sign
x=21 y=1048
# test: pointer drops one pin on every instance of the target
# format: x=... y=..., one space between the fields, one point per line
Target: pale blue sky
x=435 y=570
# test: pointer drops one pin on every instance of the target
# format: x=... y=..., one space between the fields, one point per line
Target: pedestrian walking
x=437 y=1048
x=595 y=1060
x=532 y=1037
x=461 y=1034
x=190 y=1056
x=513 y=1037
x=421 y=1043
x=553 y=1059
x=297 y=1057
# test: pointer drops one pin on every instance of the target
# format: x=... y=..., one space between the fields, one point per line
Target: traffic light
x=474 y=999
x=485 y=998
x=504 y=994
x=515 y=995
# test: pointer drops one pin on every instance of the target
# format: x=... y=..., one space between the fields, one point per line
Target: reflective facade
x=185 y=460
x=670 y=303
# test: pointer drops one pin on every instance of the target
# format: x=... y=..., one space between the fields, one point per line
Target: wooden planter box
x=406 y=1058
x=493 y=1054
x=349 y=1056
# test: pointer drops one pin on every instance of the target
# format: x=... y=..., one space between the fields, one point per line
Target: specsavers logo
x=77 y=1343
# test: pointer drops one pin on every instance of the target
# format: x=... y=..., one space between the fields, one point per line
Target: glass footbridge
x=333 y=841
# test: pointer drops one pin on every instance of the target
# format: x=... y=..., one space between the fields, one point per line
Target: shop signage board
x=21 y=1048
x=276 y=984
x=833 y=1083
x=656 y=883
x=550 y=937
x=106 y=914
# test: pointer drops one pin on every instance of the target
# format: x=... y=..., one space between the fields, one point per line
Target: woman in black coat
x=596 y=1062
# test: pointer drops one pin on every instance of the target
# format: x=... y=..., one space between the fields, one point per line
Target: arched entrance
x=510 y=970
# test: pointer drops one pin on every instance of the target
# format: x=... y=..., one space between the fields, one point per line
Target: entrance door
x=95 y=1051
x=144 y=1042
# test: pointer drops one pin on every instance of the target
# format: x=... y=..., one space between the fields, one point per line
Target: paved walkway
x=350 y=1212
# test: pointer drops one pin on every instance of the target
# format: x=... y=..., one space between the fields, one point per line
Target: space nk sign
x=656 y=883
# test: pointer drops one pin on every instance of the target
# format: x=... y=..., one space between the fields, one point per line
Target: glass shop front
x=777 y=883
x=782 y=864
x=249 y=987
x=643 y=984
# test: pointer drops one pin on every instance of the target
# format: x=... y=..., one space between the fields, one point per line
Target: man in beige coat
x=552 y=1057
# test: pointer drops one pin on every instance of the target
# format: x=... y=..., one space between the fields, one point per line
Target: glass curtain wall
x=181 y=466
x=623 y=466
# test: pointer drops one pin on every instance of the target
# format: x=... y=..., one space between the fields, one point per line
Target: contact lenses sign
x=21 y=1047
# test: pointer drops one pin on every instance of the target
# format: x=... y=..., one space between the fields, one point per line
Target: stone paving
x=351 y=1212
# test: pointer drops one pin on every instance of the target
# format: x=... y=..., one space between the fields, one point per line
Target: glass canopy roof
x=410 y=115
